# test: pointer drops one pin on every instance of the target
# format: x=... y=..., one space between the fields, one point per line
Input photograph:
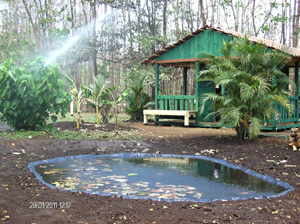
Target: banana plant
x=100 y=94
x=78 y=96
x=115 y=104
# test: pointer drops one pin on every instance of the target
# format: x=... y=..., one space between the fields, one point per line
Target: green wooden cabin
x=184 y=54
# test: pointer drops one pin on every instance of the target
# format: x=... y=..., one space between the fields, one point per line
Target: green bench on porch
x=185 y=113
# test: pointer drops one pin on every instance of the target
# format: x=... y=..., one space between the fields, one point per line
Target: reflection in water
x=155 y=177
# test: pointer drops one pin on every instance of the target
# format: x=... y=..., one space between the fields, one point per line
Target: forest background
x=110 y=38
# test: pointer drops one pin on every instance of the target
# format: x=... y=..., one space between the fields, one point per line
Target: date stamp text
x=48 y=205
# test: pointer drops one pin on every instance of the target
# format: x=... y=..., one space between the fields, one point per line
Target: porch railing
x=188 y=102
x=176 y=102
x=293 y=116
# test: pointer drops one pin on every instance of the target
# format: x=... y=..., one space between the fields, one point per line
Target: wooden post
x=198 y=68
x=184 y=89
x=184 y=80
x=156 y=90
x=297 y=89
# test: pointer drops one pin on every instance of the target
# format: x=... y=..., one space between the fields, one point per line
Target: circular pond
x=157 y=176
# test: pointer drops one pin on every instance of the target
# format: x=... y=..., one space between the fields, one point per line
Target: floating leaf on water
x=132 y=174
x=106 y=170
x=154 y=195
x=181 y=195
x=191 y=188
x=121 y=180
x=198 y=195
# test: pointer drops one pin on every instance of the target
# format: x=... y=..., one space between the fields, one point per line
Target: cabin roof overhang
x=190 y=62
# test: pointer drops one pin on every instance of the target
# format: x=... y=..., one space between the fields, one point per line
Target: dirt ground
x=19 y=188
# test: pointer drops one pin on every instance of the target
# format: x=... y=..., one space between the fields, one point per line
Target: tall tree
x=296 y=26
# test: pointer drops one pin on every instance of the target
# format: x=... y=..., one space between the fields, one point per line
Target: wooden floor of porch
x=268 y=127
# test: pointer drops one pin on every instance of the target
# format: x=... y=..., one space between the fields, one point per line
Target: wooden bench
x=185 y=113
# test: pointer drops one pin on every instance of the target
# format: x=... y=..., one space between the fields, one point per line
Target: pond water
x=159 y=177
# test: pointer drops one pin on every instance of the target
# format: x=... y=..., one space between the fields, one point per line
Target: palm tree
x=137 y=100
x=253 y=85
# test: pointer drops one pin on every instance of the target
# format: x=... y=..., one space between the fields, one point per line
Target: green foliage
x=252 y=82
x=30 y=93
x=137 y=100
x=102 y=98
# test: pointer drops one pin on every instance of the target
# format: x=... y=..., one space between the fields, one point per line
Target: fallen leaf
x=286 y=165
x=16 y=153
x=283 y=161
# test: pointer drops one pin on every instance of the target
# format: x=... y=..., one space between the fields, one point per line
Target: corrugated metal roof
x=268 y=43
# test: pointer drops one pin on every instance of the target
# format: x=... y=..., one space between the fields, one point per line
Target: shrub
x=30 y=93
x=137 y=100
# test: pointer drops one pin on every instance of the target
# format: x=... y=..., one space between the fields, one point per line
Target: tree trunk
x=165 y=20
x=38 y=43
x=202 y=12
x=283 y=22
x=296 y=18
x=94 y=38
x=130 y=30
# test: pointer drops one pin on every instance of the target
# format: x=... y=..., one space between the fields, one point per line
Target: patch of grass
x=133 y=135
x=91 y=118
x=21 y=134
